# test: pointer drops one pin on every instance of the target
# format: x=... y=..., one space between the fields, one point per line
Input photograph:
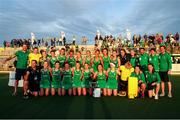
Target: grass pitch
x=87 y=107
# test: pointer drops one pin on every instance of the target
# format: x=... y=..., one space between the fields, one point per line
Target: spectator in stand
x=152 y=39
x=54 y=41
x=135 y=39
x=158 y=38
x=172 y=39
x=51 y=42
x=15 y=42
x=98 y=38
x=145 y=37
x=60 y=41
x=167 y=39
x=161 y=35
x=35 y=43
x=4 y=43
x=12 y=43
x=42 y=41
x=64 y=40
x=46 y=44
x=176 y=49
x=39 y=42
x=139 y=38
x=176 y=37
x=119 y=39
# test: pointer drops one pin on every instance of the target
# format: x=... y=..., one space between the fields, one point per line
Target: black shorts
x=122 y=85
x=151 y=87
x=164 y=76
x=20 y=73
x=34 y=87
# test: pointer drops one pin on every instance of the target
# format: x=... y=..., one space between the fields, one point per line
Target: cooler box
x=132 y=87
x=12 y=79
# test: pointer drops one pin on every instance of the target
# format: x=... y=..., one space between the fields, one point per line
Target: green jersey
x=88 y=60
x=139 y=76
x=22 y=59
x=133 y=61
x=48 y=56
x=56 y=79
x=61 y=59
x=106 y=61
x=45 y=79
x=41 y=61
x=95 y=64
x=115 y=62
x=101 y=80
x=152 y=77
x=154 y=61
x=52 y=61
x=67 y=79
x=77 y=78
x=71 y=61
x=86 y=79
x=165 y=62
x=143 y=61
x=112 y=80
x=80 y=61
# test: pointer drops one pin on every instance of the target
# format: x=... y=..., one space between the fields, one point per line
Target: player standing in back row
x=21 y=66
x=165 y=66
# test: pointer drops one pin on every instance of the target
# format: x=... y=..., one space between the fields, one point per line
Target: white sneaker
x=162 y=95
x=170 y=95
x=156 y=97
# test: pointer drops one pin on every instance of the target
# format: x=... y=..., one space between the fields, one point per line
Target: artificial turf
x=87 y=107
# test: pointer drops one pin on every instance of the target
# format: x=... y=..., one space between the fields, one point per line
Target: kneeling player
x=100 y=76
x=153 y=81
x=87 y=78
x=56 y=79
x=77 y=76
x=141 y=80
x=112 y=83
x=66 y=79
x=45 y=83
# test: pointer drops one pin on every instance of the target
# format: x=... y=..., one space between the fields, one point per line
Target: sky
x=47 y=18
